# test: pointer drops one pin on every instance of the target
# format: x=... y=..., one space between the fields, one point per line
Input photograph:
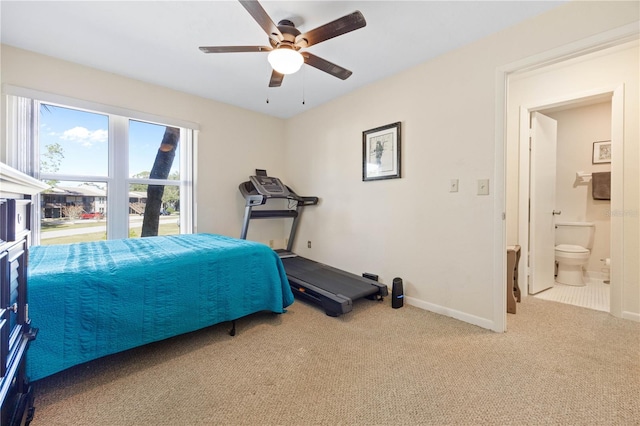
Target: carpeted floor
x=557 y=365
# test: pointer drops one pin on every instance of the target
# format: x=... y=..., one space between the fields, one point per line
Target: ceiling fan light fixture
x=285 y=60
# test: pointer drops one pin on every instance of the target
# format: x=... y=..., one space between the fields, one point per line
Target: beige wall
x=442 y=244
x=232 y=142
x=578 y=128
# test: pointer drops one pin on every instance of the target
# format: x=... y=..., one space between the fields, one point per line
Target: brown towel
x=601 y=185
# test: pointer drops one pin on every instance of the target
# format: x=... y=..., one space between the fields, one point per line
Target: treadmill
x=333 y=289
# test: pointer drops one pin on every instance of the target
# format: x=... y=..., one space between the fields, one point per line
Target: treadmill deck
x=319 y=277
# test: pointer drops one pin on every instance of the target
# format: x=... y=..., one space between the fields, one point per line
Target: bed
x=93 y=299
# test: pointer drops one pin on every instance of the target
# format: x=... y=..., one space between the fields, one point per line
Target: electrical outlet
x=308 y=244
x=271 y=243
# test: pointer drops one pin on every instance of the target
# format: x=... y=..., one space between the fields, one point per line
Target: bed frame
x=95 y=299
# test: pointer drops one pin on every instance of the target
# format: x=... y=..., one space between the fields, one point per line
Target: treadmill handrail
x=308 y=201
x=268 y=214
x=253 y=197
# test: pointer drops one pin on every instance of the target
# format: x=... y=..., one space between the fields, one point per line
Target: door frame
x=576 y=49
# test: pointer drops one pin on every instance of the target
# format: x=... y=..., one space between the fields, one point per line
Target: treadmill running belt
x=330 y=279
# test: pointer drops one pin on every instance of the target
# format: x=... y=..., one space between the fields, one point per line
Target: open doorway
x=540 y=278
x=567 y=179
x=589 y=78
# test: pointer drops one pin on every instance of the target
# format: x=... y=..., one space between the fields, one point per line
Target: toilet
x=574 y=241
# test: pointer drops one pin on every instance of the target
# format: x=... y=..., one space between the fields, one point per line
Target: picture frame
x=381 y=149
x=601 y=152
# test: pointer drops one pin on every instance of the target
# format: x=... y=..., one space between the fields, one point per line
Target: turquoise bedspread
x=93 y=299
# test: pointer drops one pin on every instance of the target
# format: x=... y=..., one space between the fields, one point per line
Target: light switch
x=483 y=186
x=453 y=187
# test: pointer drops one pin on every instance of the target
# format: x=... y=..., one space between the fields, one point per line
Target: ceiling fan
x=286 y=41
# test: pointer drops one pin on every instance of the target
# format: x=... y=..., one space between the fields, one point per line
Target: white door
x=542 y=202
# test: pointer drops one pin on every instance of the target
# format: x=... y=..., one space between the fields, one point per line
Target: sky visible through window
x=83 y=137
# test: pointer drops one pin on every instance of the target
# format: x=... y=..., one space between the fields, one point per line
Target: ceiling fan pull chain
x=304 y=72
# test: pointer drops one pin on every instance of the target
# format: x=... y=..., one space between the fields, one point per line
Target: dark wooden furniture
x=16 y=396
x=513 y=288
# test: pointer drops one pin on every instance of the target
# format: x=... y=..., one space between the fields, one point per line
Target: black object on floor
x=397 y=294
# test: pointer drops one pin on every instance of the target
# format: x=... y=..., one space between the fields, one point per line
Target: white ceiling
x=157 y=42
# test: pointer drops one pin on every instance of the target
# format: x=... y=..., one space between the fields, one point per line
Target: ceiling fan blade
x=232 y=49
x=276 y=79
x=326 y=66
x=266 y=23
x=335 y=28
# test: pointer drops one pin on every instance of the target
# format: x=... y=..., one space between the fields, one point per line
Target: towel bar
x=582 y=175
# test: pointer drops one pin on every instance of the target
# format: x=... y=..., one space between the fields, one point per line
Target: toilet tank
x=575 y=233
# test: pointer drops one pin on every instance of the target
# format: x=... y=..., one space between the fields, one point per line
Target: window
x=111 y=175
x=152 y=144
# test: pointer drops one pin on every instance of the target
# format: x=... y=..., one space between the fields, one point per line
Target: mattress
x=93 y=299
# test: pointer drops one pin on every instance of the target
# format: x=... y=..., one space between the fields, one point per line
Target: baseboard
x=633 y=316
x=597 y=275
x=462 y=316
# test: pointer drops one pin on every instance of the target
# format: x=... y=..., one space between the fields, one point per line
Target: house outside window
x=100 y=166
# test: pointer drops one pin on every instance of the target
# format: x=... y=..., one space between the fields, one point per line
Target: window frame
x=118 y=180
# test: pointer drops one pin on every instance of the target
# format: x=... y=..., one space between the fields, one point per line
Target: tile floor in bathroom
x=595 y=295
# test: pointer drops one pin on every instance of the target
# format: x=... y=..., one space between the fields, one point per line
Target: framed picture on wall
x=602 y=152
x=381 y=152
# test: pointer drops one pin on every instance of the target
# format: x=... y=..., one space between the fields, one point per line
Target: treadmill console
x=269 y=186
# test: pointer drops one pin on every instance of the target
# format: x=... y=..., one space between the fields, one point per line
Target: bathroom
x=582 y=131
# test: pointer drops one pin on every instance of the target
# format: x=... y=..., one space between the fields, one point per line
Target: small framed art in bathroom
x=601 y=152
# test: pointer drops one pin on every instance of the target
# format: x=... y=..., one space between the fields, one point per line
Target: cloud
x=85 y=136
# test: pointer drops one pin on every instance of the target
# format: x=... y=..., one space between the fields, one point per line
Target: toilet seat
x=571 y=249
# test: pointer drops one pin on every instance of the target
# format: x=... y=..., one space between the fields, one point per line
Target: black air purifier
x=397 y=294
